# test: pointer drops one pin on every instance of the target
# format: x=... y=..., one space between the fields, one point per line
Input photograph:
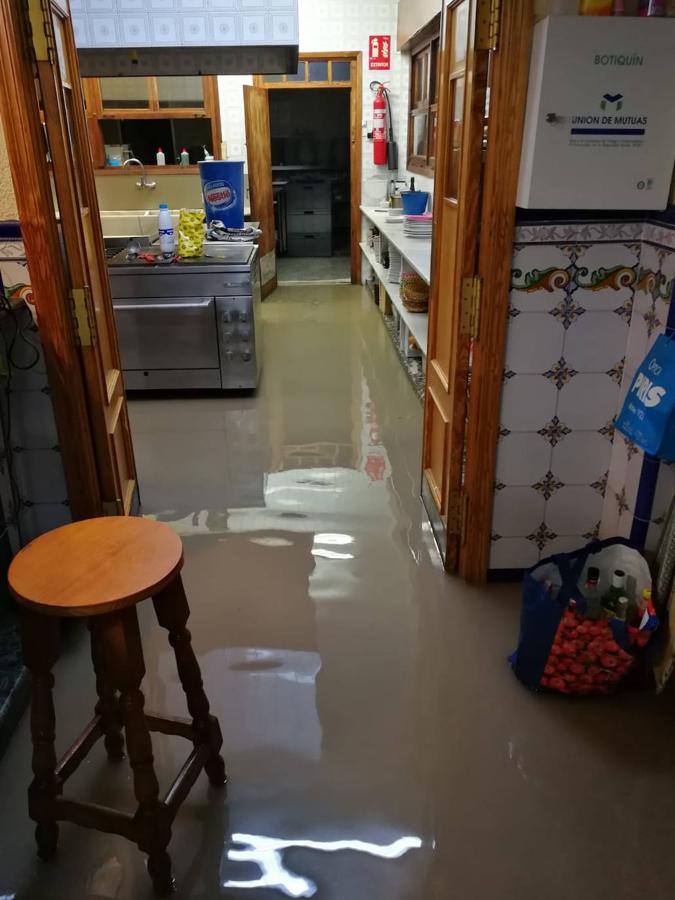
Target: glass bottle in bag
x=591 y=594
x=616 y=589
x=621 y=610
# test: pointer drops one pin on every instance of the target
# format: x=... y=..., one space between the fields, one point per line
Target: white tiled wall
x=587 y=301
x=339 y=25
x=143 y=23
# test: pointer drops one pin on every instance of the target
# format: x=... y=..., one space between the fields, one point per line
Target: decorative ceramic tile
x=548 y=485
x=560 y=373
x=541 y=536
x=517 y=512
x=524 y=458
x=554 y=431
x=567 y=311
x=595 y=342
x=616 y=372
x=534 y=343
x=582 y=457
x=528 y=402
x=583 y=232
x=610 y=515
x=608 y=286
x=574 y=509
x=588 y=401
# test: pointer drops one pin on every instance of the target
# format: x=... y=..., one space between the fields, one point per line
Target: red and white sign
x=379 y=51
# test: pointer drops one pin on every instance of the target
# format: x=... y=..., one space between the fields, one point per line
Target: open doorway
x=309 y=133
x=303 y=136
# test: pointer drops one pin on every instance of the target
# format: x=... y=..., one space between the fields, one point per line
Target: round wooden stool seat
x=96 y=566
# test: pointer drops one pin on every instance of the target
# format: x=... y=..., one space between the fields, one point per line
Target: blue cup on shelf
x=414 y=202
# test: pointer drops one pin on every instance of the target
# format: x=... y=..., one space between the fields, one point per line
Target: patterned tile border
x=592 y=232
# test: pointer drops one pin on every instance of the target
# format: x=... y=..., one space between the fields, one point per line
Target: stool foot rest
x=171 y=725
x=93 y=815
x=186 y=778
x=79 y=749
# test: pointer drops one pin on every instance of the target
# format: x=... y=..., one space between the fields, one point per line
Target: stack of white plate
x=418 y=226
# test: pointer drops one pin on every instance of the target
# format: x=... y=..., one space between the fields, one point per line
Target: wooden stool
x=100 y=568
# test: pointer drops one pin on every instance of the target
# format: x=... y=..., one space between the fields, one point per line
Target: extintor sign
x=379 y=51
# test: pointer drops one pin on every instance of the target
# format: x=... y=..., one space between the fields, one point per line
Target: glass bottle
x=616 y=589
x=621 y=611
x=591 y=594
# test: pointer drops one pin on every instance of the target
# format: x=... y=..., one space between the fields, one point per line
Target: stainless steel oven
x=194 y=324
x=168 y=342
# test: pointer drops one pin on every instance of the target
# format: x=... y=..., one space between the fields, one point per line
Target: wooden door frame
x=24 y=135
x=356 y=149
x=466 y=547
x=509 y=80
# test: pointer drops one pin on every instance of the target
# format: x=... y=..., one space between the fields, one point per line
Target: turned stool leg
x=173 y=611
x=106 y=707
x=122 y=655
x=40 y=636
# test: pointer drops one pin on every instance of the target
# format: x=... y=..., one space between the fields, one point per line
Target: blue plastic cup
x=414 y=202
x=223 y=191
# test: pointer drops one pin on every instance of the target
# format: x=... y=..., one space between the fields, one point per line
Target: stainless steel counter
x=189 y=324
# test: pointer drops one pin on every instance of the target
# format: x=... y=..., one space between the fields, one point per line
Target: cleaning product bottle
x=207 y=156
x=616 y=589
x=167 y=238
x=161 y=158
x=184 y=157
x=591 y=594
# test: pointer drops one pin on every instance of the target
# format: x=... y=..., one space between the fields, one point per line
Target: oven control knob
x=227 y=334
x=246 y=355
x=243 y=317
x=229 y=355
x=227 y=317
x=245 y=334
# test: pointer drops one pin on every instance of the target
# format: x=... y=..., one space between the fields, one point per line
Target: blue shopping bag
x=648 y=414
x=560 y=650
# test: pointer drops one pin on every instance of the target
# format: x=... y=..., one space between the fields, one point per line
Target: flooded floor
x=378 y=746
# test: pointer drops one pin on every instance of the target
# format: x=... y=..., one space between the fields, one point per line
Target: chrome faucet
x=143 y=181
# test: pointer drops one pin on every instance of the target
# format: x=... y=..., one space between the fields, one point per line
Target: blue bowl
x=414 y=202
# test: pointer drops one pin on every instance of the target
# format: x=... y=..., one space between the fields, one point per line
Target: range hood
x=185 y=37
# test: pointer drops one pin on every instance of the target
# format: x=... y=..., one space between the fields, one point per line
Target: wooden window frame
x=426 y=44
x=304 y=60
x=97 y=114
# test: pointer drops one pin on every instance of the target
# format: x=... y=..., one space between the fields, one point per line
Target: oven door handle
x=132 y=306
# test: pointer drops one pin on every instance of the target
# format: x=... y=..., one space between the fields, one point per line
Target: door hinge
x=83 y=324
x=40 y=37
x=111 y=507
x=487 y=26
x=470 y=311
x=458 y=512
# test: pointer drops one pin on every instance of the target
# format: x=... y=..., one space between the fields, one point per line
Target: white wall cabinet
x=600 y=121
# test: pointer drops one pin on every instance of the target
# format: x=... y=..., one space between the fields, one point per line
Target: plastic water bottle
x=167 y=239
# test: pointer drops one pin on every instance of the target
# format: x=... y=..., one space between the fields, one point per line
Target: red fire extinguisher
x=380 y=128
